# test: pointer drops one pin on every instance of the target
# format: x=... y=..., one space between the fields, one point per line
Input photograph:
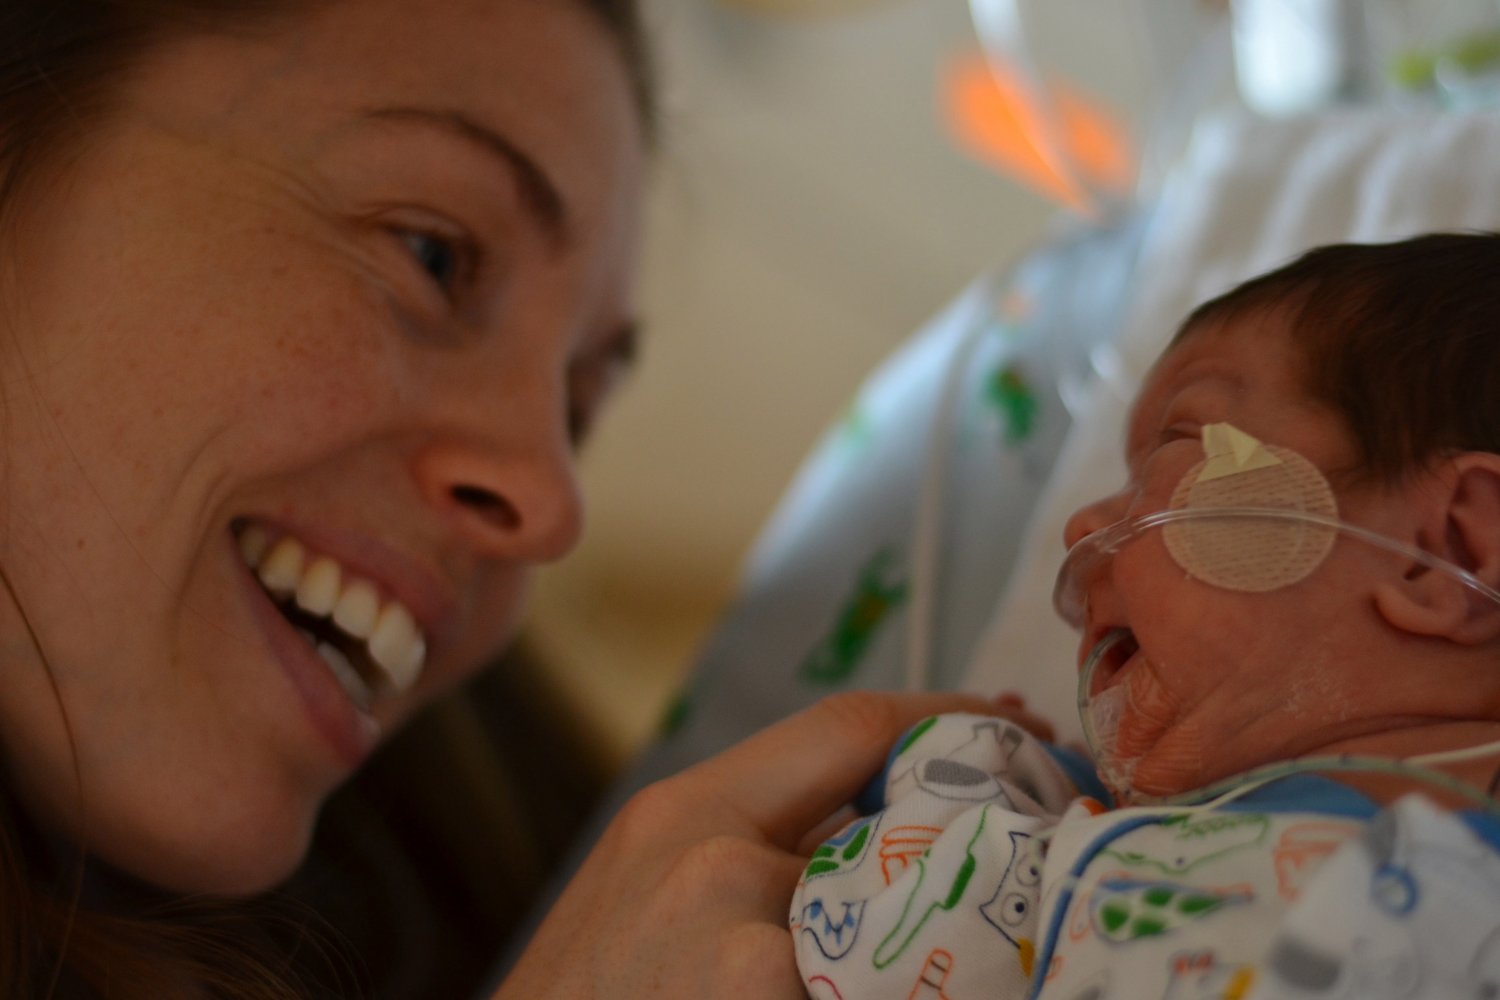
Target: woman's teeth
x=354 y=685
x=321 y=588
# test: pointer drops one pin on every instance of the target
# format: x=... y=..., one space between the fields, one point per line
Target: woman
x=305 y=308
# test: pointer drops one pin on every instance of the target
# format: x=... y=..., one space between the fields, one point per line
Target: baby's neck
x=1417 y=739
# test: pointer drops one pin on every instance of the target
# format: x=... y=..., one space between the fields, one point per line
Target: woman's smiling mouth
x=370 y=643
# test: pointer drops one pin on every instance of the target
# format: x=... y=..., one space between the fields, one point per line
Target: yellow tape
x=1231 y=451
x=1250 y=555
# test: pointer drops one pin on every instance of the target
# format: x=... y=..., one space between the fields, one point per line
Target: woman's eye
x=441 y=258
x=580 y=422
x=585 y=395
x=592 y=383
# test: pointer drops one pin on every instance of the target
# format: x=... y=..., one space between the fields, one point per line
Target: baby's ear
x=1458 y=509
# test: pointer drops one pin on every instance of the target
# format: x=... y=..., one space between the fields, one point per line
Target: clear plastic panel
x=1150 y=64
x=1157 y=66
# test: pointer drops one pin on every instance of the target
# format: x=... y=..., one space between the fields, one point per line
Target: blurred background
x=810 y=210
x=832 y=173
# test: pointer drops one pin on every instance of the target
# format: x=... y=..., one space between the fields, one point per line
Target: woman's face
x=347 y=287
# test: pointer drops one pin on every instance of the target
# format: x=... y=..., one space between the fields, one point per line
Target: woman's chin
x=244 y=861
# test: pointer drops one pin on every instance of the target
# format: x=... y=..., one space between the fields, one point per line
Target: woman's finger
x=830 y=826
x=759 y=962
x=731 y=880
x=786 y=779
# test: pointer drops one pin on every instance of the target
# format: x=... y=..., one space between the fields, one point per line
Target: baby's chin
x=1173 y=767
x=1162 y=743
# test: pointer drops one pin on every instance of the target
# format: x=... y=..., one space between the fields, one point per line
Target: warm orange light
x=997 y=119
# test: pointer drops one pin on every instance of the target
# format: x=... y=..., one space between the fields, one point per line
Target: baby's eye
x=441 y=257
x=1179 y=432
x=1182 y=429
x=1160 y=448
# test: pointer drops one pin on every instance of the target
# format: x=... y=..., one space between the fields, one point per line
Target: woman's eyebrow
x=540 y=194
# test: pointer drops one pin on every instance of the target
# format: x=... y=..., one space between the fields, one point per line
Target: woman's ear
x=1457 y=505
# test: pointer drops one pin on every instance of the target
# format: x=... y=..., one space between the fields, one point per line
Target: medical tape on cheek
x=1248 y=554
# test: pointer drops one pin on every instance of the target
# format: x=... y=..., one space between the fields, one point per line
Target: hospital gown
x=987 y=874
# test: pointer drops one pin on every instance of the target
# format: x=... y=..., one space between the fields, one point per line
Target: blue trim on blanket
x=1296 y=793
x=1080 y=771
x=1315 y=793
x=1065 y=897
x=1484 y=825
x=1311 y=793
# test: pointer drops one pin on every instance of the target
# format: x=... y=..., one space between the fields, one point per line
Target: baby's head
x=1401 y=340
x=1359 y=382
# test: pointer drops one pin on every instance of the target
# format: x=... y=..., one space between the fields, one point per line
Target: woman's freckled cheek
x=329 y=362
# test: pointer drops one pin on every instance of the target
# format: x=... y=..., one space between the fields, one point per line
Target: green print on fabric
x=838 y=655
x=916 y=734
x=820 y=863
x=843 y=851
x=936 y=898
x=1128 y=910
x=675 y=716
x=856 y=430
x=1198 y=841
x=1010 y=394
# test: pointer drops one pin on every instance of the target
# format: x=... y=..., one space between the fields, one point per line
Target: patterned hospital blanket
x=986 y=875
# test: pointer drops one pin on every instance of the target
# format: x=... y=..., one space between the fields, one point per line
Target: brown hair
x=1402 y=339
x=59 y=61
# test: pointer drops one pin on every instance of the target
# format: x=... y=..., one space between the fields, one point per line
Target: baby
x=1290 y=681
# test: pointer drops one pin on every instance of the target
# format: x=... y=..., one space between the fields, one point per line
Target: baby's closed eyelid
x=1167 y=435
x=1181 y=431
x=1180 y=418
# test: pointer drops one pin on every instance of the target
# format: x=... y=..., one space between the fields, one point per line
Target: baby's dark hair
x=1402 y=339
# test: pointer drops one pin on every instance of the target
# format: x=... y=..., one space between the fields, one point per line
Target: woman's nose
x=520 y=504
x=1091 y=517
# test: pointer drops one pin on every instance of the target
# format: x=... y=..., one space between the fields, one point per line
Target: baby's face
x=1214 y=681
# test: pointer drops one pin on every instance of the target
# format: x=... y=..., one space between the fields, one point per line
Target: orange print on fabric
x=1302 y=850
x=902 y=844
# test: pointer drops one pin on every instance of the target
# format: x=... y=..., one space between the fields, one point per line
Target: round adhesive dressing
x=1248 y=554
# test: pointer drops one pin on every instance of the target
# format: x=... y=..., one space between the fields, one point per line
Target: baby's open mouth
x=371 y=644
x=1112 y=651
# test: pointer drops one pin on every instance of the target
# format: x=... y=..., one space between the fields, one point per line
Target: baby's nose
x=1091 y=517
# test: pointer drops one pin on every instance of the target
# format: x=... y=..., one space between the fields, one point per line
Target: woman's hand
x=686 y=894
